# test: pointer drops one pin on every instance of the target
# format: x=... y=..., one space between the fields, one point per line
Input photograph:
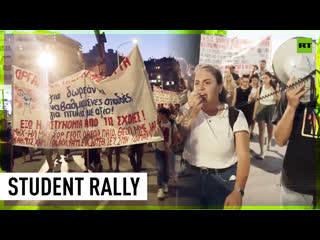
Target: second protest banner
x=223 y=52
x=164 y=98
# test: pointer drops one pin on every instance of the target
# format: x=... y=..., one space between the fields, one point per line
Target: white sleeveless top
x=254 y=92
x=270 y=100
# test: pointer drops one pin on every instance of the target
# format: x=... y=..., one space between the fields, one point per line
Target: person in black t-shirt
x=296 y=124
x=241 y=97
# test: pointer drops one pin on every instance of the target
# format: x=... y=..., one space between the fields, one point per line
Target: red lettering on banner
x=71 y=124
x=126 y=61
x=153 y=126
x=129 y=119
x=58 y=135
x=85 y=74
x=18 y=140
x=29 y=141
x=124 y=131
x=32 y=133
x=20 y=75
x=142 y=137
x=108 y=121
x=26 y=124
x=39 y=142
x=108 y=133
x=24 y=74
x=97 y=78
x=28 y=77
x=91 y=122
x=18 y=132
x=35 y=80
x=140 y=129
x=38 y=124
x=73 y=135
x=111 y=141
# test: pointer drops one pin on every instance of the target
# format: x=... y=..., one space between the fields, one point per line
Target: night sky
x=167 y=45
x=151 y=46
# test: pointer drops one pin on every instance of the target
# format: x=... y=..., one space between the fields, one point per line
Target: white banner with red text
x=85 y=110
x=222 y=52
x=164 y=98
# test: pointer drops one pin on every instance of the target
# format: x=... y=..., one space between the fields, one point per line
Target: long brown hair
x=217 y=74
x=271 y=82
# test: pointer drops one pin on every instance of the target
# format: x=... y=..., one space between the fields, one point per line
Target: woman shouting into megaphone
x=216 y=145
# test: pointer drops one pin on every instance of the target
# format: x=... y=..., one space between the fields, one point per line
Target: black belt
x=204 y=170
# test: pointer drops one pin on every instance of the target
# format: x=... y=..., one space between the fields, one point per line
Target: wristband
x=240 y=191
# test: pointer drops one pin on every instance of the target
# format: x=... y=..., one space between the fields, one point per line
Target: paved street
x=262 y=187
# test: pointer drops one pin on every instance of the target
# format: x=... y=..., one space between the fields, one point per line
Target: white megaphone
x=287 y=62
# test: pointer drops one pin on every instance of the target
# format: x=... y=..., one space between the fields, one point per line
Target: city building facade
x=93 y=60
x=163 y=73
x=23 y=50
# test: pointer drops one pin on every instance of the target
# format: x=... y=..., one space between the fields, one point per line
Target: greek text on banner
x=223 y=52
x=85 y=110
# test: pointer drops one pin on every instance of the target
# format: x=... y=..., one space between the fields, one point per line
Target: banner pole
x=12 y=118
x=87 y=162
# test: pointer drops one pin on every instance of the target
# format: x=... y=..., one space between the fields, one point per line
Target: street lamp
x=134 y=42
x=45 y=61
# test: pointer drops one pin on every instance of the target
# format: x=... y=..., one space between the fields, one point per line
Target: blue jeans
x=205 y=189
x=172 y=166
x=163 y=168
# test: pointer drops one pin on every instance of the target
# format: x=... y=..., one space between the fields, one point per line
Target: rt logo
x=304 y=45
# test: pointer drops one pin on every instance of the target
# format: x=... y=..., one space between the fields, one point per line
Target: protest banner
x=85 y=110
x=222 y=52
x=164 y=98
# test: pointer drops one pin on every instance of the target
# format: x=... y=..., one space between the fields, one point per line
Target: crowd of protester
x=190 y=130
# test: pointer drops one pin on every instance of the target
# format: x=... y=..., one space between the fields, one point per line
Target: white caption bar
x=73 y=186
